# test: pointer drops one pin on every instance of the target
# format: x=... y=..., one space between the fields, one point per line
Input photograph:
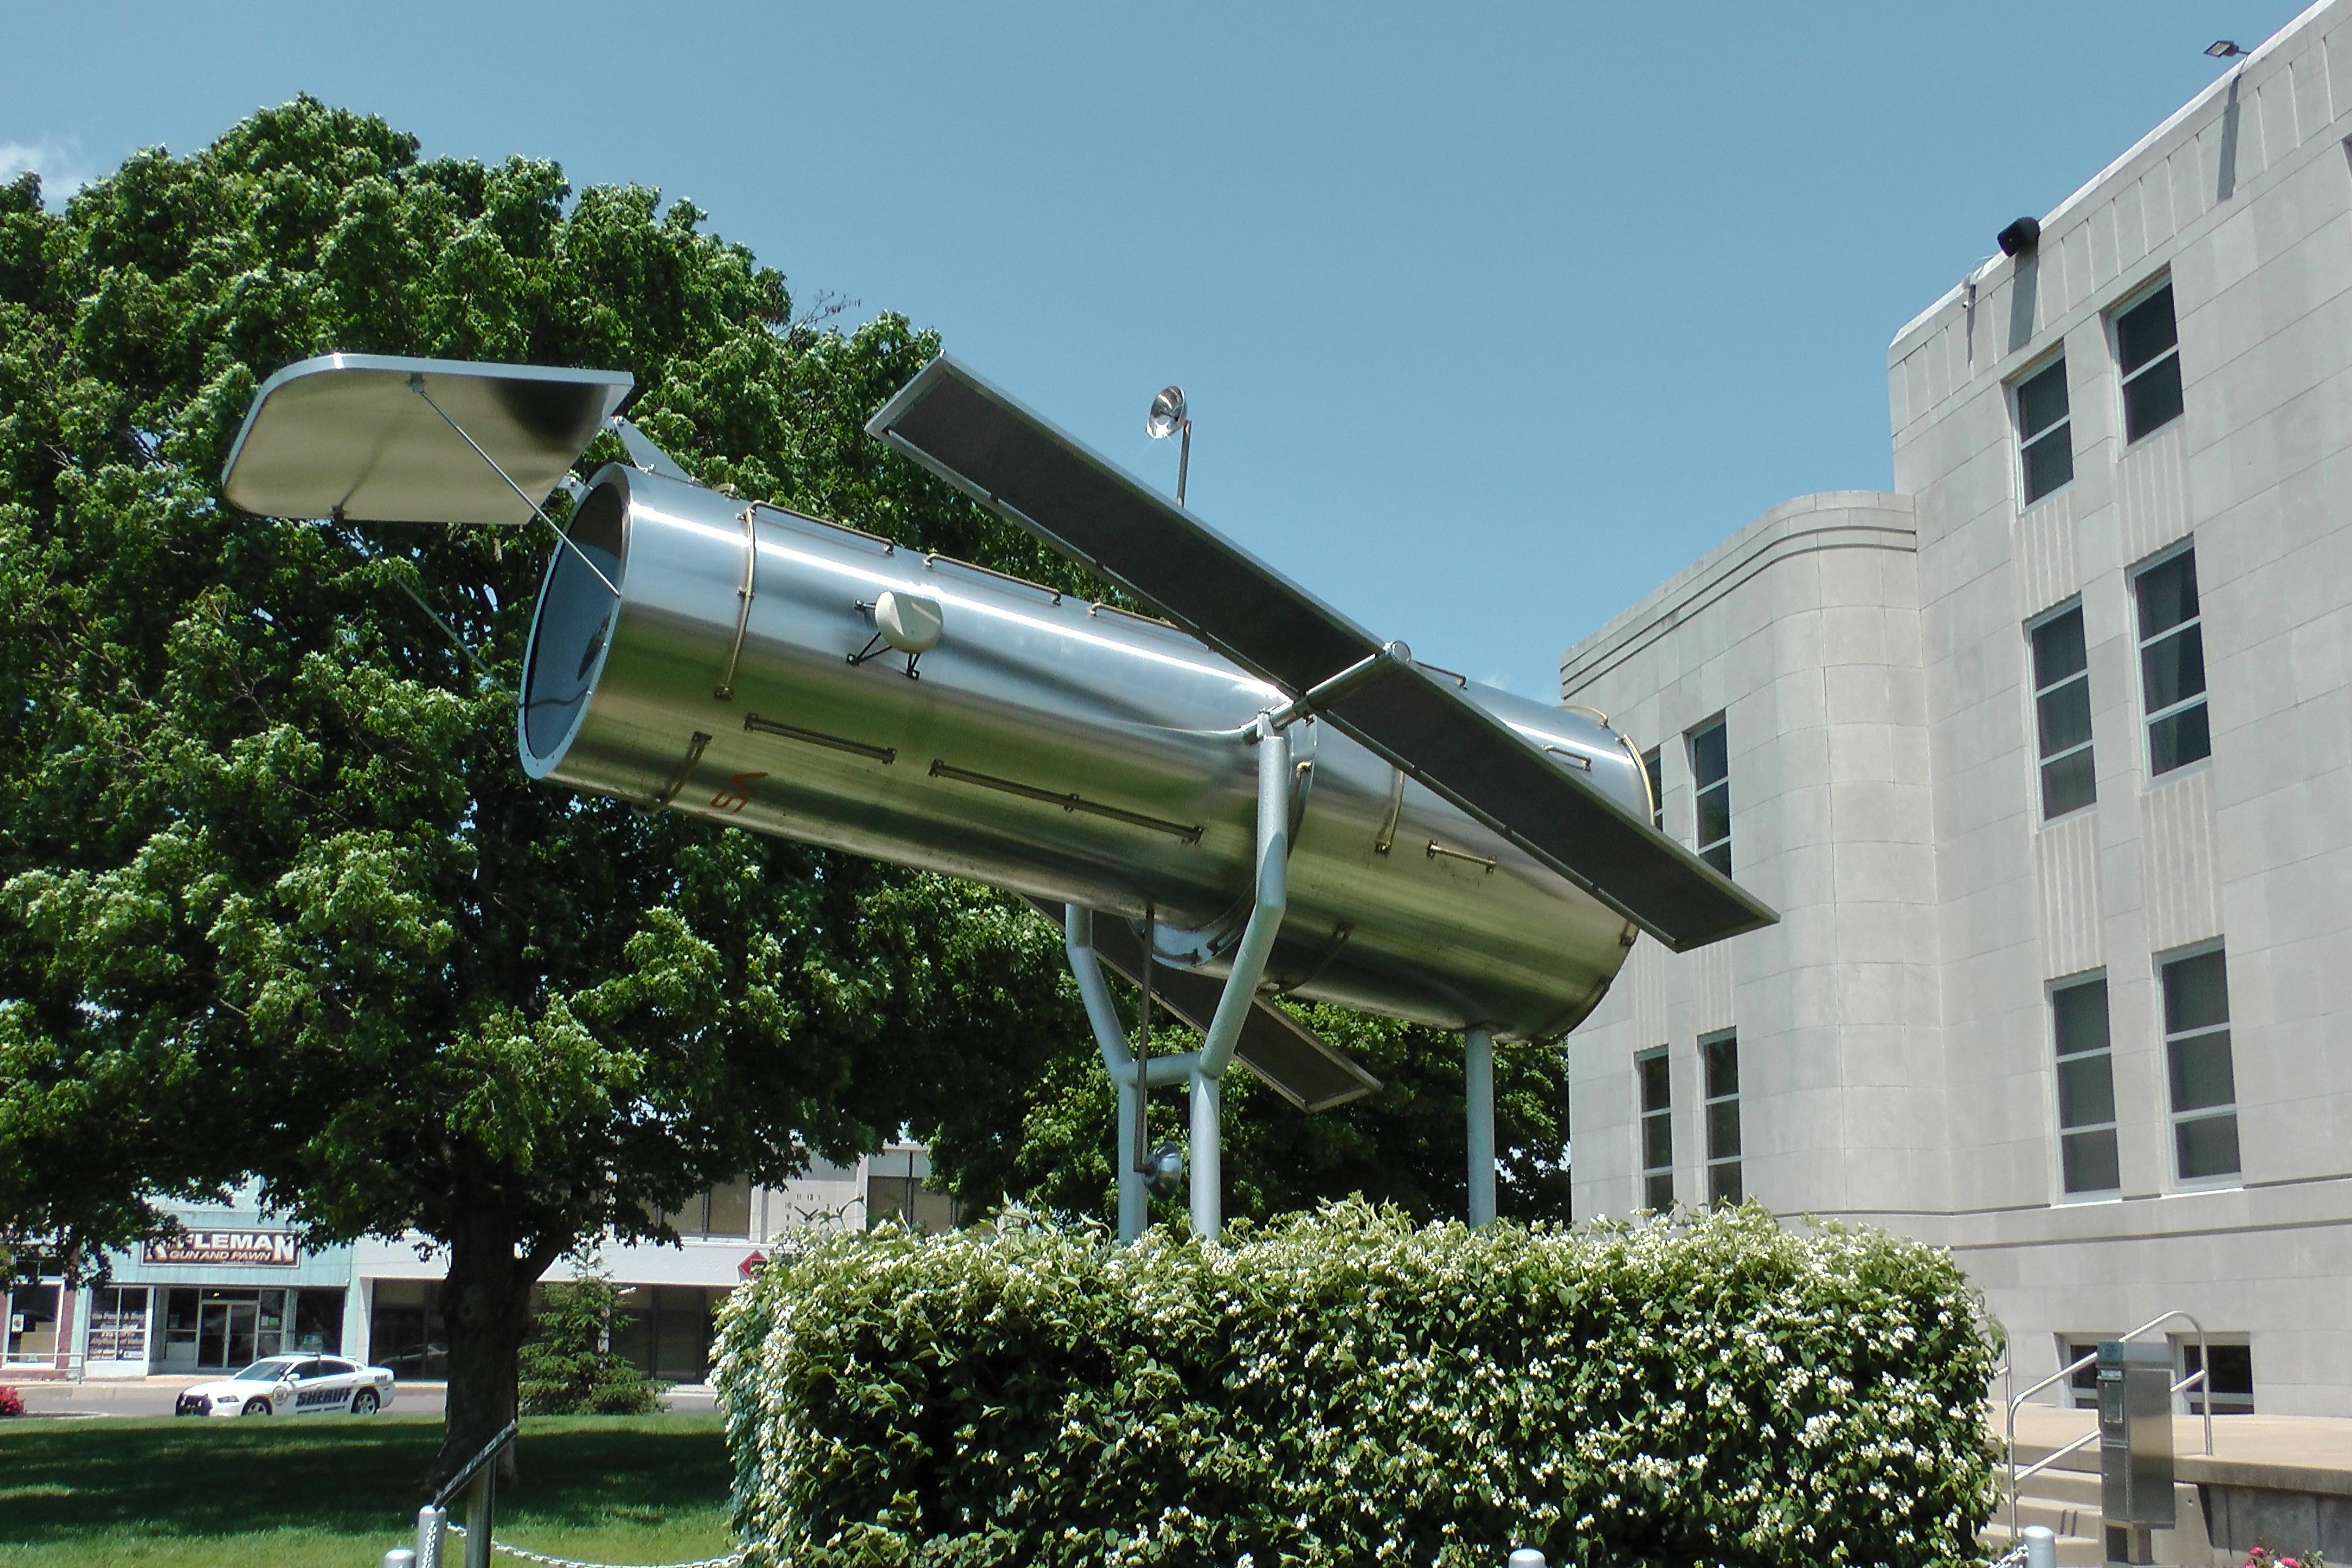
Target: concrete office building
x=2047 y=761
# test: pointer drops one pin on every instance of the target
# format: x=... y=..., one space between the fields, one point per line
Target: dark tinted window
x=2200 y=1070
x=2172 y=664
x=2086 y=1088
x=2148 y=343
x=2045 y=431
x=2061 y=711
x=1710 y=756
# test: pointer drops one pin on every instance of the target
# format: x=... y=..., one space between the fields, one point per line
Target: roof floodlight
x=2223 y=50
x=1167 y=417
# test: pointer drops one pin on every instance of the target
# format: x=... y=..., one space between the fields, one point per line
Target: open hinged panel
x=1098 y=515
x=377 y=438
x=1282 y=1053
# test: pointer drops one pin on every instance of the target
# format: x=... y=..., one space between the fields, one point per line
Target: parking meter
x=2135 y=1383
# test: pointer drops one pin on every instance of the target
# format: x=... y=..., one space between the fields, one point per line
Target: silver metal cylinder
x=1043 y=744
x=1478 y=1098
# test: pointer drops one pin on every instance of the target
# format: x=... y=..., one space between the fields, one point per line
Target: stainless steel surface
x=2135 y=1383
x=1278 y=1050
x=2201 y=1378
x=1094 y=512
x=1127 y=743
x=346 y=435
x=1479 y=1100
x=1118 y=1060
x=1207 y=1155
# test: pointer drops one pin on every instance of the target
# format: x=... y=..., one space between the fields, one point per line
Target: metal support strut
x=1478 y=1095
x=1204 y=1070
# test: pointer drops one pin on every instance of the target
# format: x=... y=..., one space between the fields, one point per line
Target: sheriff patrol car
x=292 y=1385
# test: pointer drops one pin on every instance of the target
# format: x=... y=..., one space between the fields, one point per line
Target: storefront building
x=671 y=1296
x=236 y=1285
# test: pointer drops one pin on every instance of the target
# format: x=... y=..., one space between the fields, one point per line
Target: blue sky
x=1491 y=316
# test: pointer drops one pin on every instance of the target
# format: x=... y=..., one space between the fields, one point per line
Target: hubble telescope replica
x=1239 y=796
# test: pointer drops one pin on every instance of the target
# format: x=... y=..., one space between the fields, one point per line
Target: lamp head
x=1163 y=1175
x=1167 y=416
x=2223 y=49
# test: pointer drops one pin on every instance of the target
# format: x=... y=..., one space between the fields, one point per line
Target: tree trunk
x=486 y=1307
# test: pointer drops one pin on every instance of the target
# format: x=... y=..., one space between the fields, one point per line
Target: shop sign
x=272 y=1248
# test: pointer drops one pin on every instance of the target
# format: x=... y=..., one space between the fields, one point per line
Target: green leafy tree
x=275 y=897
x=569 y=1366
x=1405 y=1144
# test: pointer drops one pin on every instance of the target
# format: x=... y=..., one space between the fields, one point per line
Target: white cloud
x=61 y=165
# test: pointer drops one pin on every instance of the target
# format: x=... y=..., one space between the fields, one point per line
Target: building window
x=1653 y=767
x=2062 y=713
x=34 y=1311
x=2087 y=1088
x=724 y=1211
x=897 y=1187
x=2083 y=1384
x=2172 y=663
x=666 y=1330
x=2232 y=1380
x=1651 y=1071
x=1710 y=760
x=406 y=1330
x=2045 y=435
x=1721 y=1055
x=2147 y=351
x=118 y=1323
x=2197 y=1060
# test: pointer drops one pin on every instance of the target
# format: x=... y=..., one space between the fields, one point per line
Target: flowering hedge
x=1344 y=1387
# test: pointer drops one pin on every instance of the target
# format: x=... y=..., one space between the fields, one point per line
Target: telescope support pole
x=1078 y=940
x=1208 y=1154
x=1206 y=1068
x=1478 y=1095
x=1273 y=787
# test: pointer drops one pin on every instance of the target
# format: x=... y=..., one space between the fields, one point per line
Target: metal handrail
x=2202 y=1376
x=488 y=1451
x=2043 y=1464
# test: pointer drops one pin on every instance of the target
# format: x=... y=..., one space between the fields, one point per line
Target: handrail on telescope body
x=2202 y=1379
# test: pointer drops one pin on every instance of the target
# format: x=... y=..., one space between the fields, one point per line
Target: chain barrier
x=732 y=1560
x=2015 y=1557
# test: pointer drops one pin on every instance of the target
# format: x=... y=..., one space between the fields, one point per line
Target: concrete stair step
x=2064 y=1518
x=2082 y=1461
x=2077 y=1517
x=2073 y=1551
x=2064 y=1486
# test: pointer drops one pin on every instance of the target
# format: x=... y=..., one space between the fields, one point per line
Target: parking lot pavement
x=153 y=1396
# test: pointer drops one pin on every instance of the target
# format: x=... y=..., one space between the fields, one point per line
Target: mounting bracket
x=1201 y=1070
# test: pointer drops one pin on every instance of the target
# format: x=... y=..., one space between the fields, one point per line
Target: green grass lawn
x=337 y=1493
